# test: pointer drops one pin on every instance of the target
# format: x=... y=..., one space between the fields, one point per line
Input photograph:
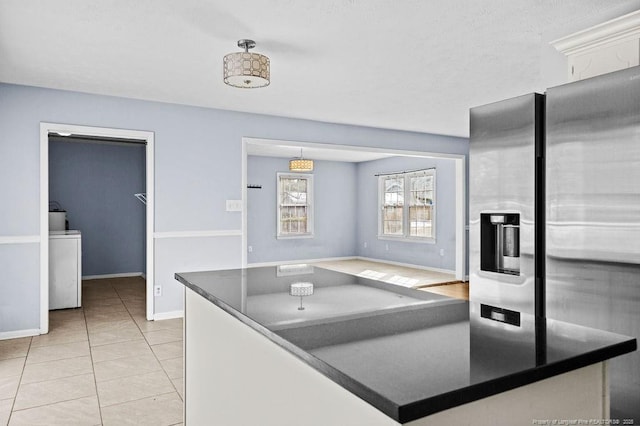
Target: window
x=295 y=212
x=407 y=205
x=393 y=205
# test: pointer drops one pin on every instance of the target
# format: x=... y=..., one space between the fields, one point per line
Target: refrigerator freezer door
x=593 y=216
x=502 y=190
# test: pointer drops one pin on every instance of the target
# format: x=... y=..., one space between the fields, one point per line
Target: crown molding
x=626 y=27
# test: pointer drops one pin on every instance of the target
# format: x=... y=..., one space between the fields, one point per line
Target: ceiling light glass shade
x=246 y=70
x=301 y=289
x=300 y=165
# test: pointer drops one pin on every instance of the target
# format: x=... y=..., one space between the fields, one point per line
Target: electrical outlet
x=250 y=249
x=365 y=244
x=386 y=247
x=234 y=205
x=157 y=290
x=441 y=252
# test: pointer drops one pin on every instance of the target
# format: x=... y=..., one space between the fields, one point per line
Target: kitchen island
x=364 y=352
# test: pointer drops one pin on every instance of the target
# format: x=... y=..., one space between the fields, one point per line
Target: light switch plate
x=234 y=205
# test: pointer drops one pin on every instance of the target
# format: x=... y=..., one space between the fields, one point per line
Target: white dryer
x=65 y=269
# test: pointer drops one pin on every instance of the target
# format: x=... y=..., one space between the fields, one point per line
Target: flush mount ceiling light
x=246 y=70
x=300 y=164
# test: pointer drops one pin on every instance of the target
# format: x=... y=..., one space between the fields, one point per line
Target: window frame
x=309 y=204
x=406 y=224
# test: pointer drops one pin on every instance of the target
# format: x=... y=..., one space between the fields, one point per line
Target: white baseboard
x=408 y=265
x=123 y=275
x=168 y=315
x=293 y=262
x=143 y=275
x=331 y=259
x=19 y=333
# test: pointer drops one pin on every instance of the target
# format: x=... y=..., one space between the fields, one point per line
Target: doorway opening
x=346 y=153
x=98 y=148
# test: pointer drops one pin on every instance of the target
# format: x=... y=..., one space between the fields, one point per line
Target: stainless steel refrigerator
x=505 y=165
x=593 y=216
x=554 y=215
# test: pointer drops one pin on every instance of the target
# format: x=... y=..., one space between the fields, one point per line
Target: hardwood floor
x=458 y=290
x=394 y=274
x=422 y=279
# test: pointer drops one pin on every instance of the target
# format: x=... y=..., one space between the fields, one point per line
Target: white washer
x=65 y=269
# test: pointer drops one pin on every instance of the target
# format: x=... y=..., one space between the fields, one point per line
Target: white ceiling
x=413 y=64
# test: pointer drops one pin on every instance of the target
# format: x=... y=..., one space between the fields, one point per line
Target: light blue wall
x=95 y=184
x=425 y=254
x=334 y=196
x=20 y=268
x=343 y=232
x=198 y=155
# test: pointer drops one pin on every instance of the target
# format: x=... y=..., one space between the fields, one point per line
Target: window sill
x=294 y=237
x=403 y=239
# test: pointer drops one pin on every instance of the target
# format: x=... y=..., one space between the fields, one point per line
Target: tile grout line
x=157 y=360
x=156 y=357
x=85 y=328
x=15 y=397
x=93 y=369
x=53 y=403
x=57 y=378
x=57 y=344
x=138 y=399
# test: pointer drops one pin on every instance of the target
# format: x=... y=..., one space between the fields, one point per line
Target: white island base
x=236 y=376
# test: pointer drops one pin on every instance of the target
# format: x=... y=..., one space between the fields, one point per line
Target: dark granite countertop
x=409 y=353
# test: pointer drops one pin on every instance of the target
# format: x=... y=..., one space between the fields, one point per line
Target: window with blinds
x=393 y=205
x=407 y=205
x=295 y=214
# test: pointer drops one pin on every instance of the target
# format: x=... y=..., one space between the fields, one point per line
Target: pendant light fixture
x=246 y=70
x=300 y=164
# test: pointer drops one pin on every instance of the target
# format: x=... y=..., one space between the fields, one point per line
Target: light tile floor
x=102 y=364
